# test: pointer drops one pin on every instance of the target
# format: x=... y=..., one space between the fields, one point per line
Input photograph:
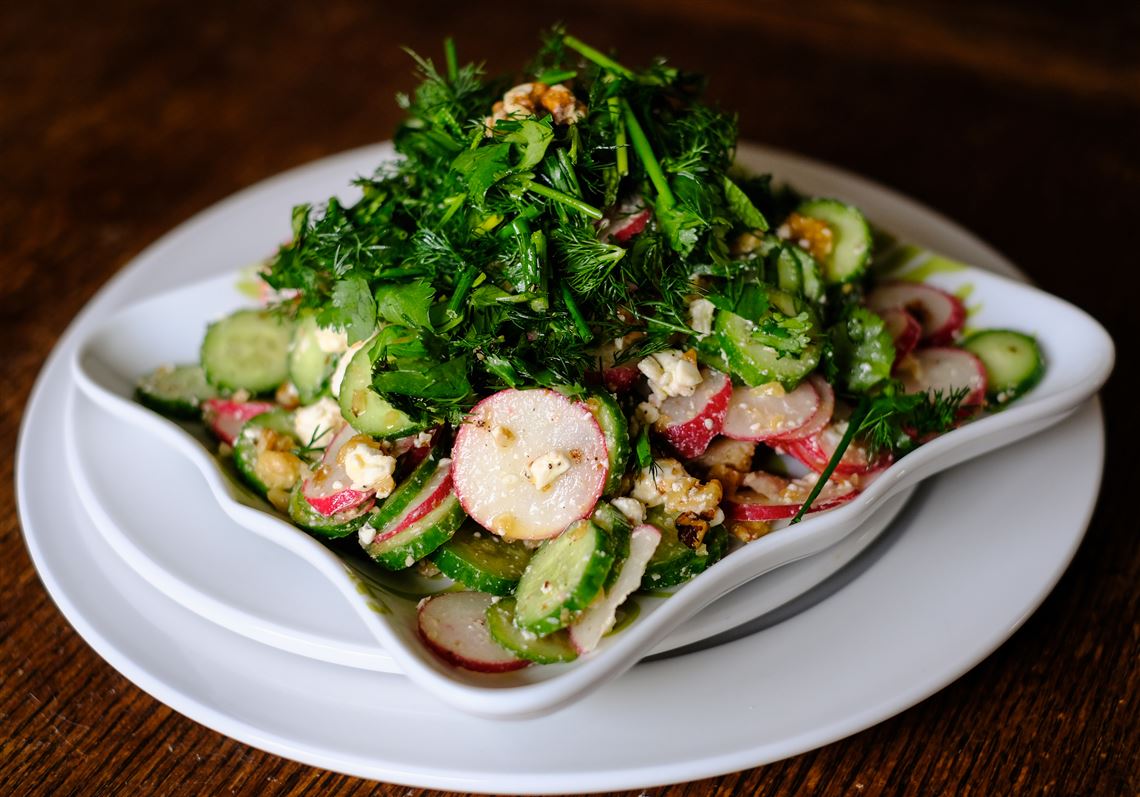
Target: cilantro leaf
x=352 y=308
x=406 y=303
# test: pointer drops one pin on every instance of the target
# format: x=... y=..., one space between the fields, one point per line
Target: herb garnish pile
x=480 y=258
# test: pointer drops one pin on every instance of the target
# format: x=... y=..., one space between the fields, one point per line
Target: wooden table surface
x=120 y=119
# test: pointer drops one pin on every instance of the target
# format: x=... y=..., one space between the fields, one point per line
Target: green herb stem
x=452 y=59
x=853 y=425
x=584 y=208
x=645 y=152
x=621 y=143
x=576 y=313
x=599 y=58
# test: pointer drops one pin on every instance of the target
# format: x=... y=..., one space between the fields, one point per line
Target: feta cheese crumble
x=317 y=424
x=701 y=312
x=633 y=509
x=369 y=468
x=331 y=340
x=671 y=373
x=546 y=469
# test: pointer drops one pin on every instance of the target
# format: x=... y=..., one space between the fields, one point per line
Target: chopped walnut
x=745 y=244
x=536 y=99
x=748 y=530
x=275 y=464
x=734 y=454
x=669 y=485
x=808 y=233
x=691 y=529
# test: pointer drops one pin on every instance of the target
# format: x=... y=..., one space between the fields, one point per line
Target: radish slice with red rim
x=438 y=487
x=528 y=463
x=945 y=369
x=762 y=413
x=904 y=330
x=940 y=314
x=764 y=496
x=819 y=419
x=690 y=423
x=226 y=417
x=454 y=626
x=816 y=451
x=625 y=221
x=329 y=490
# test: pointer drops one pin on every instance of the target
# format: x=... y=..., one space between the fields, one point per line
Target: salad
x=561 y=351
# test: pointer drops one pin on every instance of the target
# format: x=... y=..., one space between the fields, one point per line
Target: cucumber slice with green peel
x=710 y=353
x=246 y=444
x=482 y=561
x=563 y=578
x=309 y=366
x=811 y=275
x=553 y=648
x=758 y=364
x=618 y=527
x=366 y=409
x=789 y=276
x=342 y=524
x=673 y=562
x=248 y=350
x=401 y=500
x=851 y=239
x=608 y=413
x=418 y=539
x=175 y=390
x=1013 y=361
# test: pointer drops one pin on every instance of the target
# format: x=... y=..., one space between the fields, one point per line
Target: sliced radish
x=507 y=433
x=816 y=451
x=438 y=487
x=620 y=378
x=226 y=417
x=329 y=489
x=690 y=423
x=819 y=419
x=593 y=624
x=454 y=626
x=905 y=331
x=415 y=447
x=940 y=314
x=765 y=412
x=764 y=496
x=945 y=369
x=625 y=221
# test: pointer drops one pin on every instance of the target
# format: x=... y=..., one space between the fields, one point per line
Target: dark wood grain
x=1022 y=121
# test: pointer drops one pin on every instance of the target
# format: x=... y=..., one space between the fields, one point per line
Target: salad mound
x=561 y=350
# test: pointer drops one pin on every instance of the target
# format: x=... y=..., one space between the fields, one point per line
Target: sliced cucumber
x=309 y=367
x=563 y=577
x=756 y=363
x=419 y=538
x=342 y=524
x=246 y=448
x=1013 y=362
x=615 y=428
x=364 y=408
x=550 y=649
x=673 y=562
x=177 y=391
x=810 y=273
x=400 y=500
x=617 y=526
x=788 y=274
x=482 y=561
x=248 y=350
x=851 y=238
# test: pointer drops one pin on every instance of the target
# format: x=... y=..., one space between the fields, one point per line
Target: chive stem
x=599 y=58
x=462 y=288
x=853 y=424
x=584 y=208
x=645 y=152
x=452 y=59
x=576 y=314
x=621 y=144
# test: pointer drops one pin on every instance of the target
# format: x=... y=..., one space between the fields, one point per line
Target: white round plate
x=972 y=556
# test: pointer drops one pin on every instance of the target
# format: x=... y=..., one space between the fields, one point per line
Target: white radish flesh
x=940 y=314
x=816 y=451
x=766 y=412
x=587 y=631
x=454 y=626
x=945 y=370
x=226 y=417
x=904 y=330
x=438 y=487
x=818 y=421
x=690 y=423
x=507 y=433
